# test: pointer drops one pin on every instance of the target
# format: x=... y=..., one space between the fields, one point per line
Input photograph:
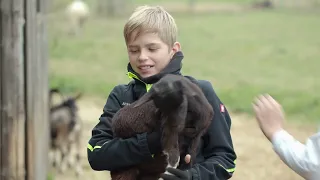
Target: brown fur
x=180 y=109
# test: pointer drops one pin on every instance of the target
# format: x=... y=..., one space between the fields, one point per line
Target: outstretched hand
x=269 y=115
x=177 y=174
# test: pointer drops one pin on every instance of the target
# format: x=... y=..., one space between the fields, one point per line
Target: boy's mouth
x=145 y=67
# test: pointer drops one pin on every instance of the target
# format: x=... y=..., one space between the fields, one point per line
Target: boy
x=304 y=159
x=150 y=36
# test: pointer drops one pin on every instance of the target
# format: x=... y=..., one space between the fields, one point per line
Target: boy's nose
x=142 y=57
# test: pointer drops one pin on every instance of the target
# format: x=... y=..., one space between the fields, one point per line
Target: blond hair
x=151 y=19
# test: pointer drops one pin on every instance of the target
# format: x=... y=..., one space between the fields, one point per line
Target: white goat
x=77 y=12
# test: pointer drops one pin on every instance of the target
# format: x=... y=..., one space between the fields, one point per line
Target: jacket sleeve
x=302 y=158
x=107 y=153
x=218 y=147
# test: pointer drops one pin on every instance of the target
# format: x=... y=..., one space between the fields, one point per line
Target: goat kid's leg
x=70 y=158
x=74 y=158
x=64 y=158
x=193 y=149
x=173 y=159
x=172 y=126
x=171 y=148
x=54 y=157
x=79 y=169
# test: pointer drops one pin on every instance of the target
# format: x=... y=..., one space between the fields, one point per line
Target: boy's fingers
x=187 y=159
x=167 y=177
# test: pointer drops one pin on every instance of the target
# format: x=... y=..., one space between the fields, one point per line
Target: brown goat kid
x=180 y=109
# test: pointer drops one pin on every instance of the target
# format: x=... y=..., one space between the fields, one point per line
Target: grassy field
x=243 y=54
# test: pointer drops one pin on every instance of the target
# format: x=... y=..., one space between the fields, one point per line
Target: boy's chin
x=146 y=75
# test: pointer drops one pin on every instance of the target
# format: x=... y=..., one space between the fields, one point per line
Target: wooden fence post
x=24 y=127
x=12 y=111
x=37 y=92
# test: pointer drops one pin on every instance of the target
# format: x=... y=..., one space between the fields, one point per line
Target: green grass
x=242 y=54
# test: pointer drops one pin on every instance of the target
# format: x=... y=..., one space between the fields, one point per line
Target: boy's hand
x=154 y=142
x=269 y=115
x=177 y=174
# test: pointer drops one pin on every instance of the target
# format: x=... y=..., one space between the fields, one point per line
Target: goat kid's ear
x=55 y=91
x=144 y=99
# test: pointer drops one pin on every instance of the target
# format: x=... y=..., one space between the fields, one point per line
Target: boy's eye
x=152 y=49
x=133 y=50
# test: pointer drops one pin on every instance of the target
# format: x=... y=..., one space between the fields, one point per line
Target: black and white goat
x=180 y=109
x=66 y=130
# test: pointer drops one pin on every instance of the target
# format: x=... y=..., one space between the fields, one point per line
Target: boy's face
x=148 y=54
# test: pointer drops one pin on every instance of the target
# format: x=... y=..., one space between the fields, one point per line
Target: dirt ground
x=256 y=159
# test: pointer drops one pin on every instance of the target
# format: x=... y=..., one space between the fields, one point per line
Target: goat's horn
x=78 y=96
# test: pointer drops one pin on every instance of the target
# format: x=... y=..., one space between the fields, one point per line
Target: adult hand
x=177 y=174
x=269 y=115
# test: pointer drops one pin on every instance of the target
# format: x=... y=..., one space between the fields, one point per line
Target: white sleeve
x=303 y=159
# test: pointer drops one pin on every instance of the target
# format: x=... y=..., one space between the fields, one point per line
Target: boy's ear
x=176 y=47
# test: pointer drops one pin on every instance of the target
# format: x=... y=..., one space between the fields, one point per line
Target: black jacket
x=215 y=158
